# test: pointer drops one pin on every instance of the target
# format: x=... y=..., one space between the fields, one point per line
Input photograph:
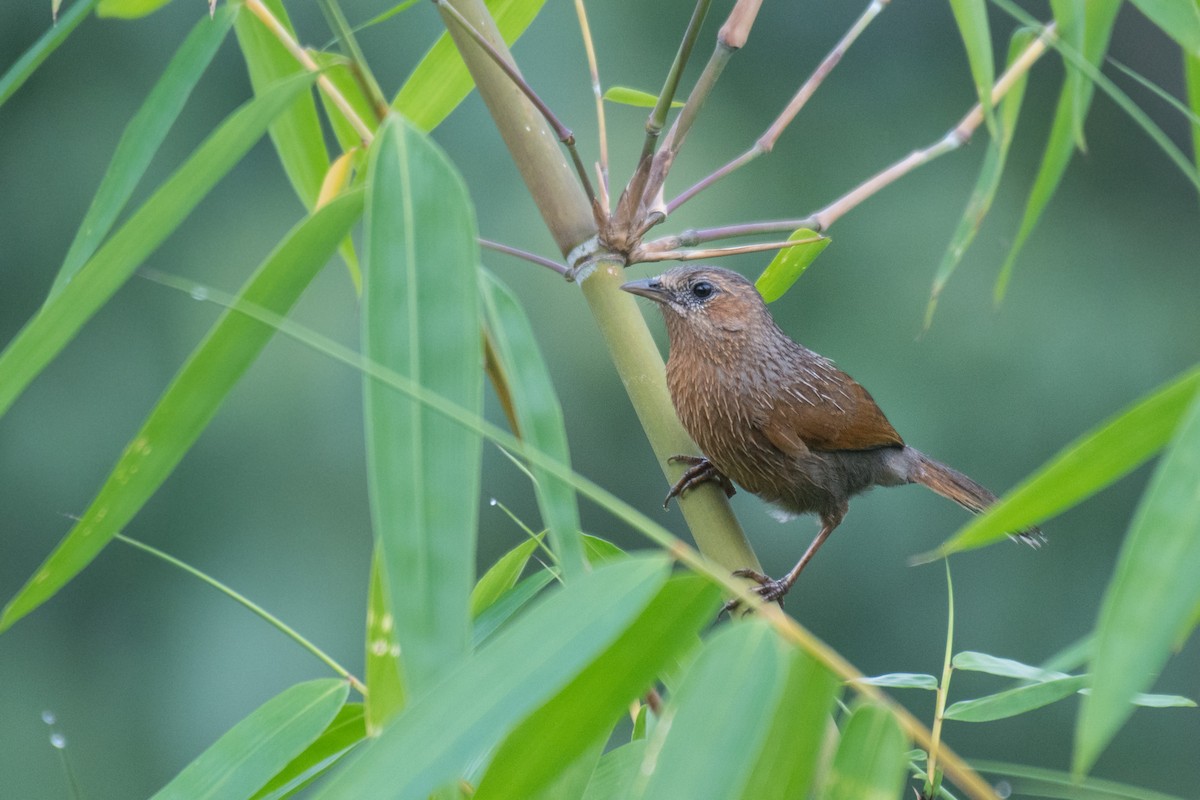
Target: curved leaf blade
x=972 y=20
x=257 y=748
x=420 y=317
x=46 y=44
x=191 y=400
x=345 y=731
x=1152 y=594
x=1016 y=701
x=790 y=263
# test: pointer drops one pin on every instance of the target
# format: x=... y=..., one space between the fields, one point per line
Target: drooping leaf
x=1083 y=467
x=346 y=730
x=441 y=80
x=143 y=136
x=46 y=44
x=634 y=97
x=790 y=263
x=421 y=318
x=1016 y=701
x=972 y=20
x=871 y=758
x=296 y=133
x=902 y=680
x=1004 y=667
x=1179 y=19
x=256 y=749
x=195 y=394
x=582 y=714
x=1070 y=17
x=482 y=698
x=539 y=416
x=1153 y=592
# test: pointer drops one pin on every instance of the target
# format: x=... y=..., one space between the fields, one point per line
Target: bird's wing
x=823 y=408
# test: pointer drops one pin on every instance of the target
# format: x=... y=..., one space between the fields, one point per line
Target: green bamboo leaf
x=971 y=17
x=194 y=395
x=337 y=69
x=296 y=133
x=1004 y=667
x=143 y=136
x=1191 y=71
x=1041 y=782
x=573 y=778
x=129 y=9
x=1153 y=592
x=634 y=97
x=789 y=264
x=345 y=731
x=902 y=680
x=600 y=550
x=870 y=762
x=1070 y=17
x=787 y=763
x=1179 y=19
x=441 y=81
x=1082 y=468
x=385 y=689
x=539 y=417
x=62 y=316
x=257 y=748
x=421 y=318
x=482 y=698
x=501 y=576
x=1097 y=18
x=46 y=44
x=616 y=772
x=709 y=739
x=492 y=618
x=989 y=176
x=580 y=716
x=1016 y=701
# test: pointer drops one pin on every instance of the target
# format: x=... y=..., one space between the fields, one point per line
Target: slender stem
x=345 y=34
x=533 y=257
x=766 y=142
x=658 y=116
x=563 y=133
x=718 y=252
x=601 y=128
x=300 y=54
x=932 y=779
x=252 y=606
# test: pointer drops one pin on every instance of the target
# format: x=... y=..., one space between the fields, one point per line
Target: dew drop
x=48 y=717
x=58 y=740
x=199 y=293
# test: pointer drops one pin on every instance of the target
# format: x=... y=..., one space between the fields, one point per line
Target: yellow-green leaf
x=634 y=97
x=790 y=263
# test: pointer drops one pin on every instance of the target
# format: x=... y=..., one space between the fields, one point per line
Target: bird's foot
x=700 y=470
x=769 y=589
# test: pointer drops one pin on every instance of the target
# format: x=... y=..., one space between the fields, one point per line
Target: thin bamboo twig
x=766 y=142
x=533 y=257
x=658 y=115
x=589 y=48
x=718 y=252
x=362 y=72
x=563 y=133
x=300 y=54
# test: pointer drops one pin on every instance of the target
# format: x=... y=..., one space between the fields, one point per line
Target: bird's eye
x=702 y=290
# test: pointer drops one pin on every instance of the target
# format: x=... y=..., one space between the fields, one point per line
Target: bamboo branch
x=658 y=115
x=766 y=142
x=601 y=129
x=532 y=257
x=718 y=252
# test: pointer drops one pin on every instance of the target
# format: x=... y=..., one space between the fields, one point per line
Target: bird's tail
x=953 y=485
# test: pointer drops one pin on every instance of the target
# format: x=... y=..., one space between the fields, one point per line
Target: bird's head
x=704 y=301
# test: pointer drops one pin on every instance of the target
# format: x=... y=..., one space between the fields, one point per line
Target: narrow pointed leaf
x=634 y=97
x=385 y=689
x=441 y=81
x=1152 y=593
x=1070 y=19
x=507 y=606
x=971 y=17
x=871 y=759
x=257 y=748
x=44 y=336
x=129 y=9
x=581 y=716
x=600 y=550
x=1084 y=467
x=482 y=698
x=902 y=680
x=1179 y=19
x=143 y=136
x=421 y=319
x=46 y=44
x=195 y=394
x=539 y=417
x=501 y=576
x=1191 y=71
x=1029 y=781
x=799 y=722
x=296 y=133
x=1004 y=667
x=337 y=69
x=573 y=778
x=1016 y=701
x=345 y=731
x=789 y=264
x=709 y=738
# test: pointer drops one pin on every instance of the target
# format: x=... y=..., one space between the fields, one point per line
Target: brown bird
x=778 y=419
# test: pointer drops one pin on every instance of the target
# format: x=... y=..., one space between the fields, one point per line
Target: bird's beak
x=651 y=288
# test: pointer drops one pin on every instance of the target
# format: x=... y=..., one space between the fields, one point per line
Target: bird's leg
x=772 y=590
x=700 y=471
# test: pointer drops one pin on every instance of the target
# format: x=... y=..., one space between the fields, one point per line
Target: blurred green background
x=144 y=666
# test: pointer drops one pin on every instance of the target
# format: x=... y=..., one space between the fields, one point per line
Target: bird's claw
x=769 y=589
x=700 y=470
